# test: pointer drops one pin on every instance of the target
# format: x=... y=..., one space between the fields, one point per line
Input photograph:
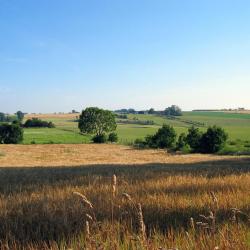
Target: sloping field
x=66 y=131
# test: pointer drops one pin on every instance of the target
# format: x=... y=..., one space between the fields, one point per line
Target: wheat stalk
x=142 y=227
x=87 y=229
x=84 y=199
x=114 y=185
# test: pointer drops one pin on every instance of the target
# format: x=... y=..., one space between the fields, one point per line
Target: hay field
x=52 y=116
x=90 y=154
x=38 y=209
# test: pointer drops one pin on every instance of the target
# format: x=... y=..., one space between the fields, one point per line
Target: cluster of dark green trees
x=211 y=141
x=38 y=123
x=173 y=110
x=11 y=127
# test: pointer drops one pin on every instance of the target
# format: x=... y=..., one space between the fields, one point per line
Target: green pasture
x=66 y=131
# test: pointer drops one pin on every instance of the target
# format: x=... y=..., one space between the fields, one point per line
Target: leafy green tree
x=10 y=133
x=164 y=137
x=96 y=121
x=193 y=138
x=173 y=110
x=213 y=140
x=151 y=111
x=20 y=115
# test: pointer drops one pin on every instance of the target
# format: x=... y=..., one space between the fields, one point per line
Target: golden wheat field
x=117 y=197
x=52 y=116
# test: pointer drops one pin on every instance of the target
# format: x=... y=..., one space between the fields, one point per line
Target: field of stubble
x=39 y=209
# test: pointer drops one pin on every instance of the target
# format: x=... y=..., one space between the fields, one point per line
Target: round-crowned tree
x=96 y=121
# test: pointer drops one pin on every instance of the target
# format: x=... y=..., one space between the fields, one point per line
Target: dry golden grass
x=38 y=209
x=52 y=116
x=84 y=154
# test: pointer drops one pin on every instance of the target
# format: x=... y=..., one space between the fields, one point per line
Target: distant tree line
x=173 y=110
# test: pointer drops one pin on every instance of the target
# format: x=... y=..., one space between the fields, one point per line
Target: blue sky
x=58 y=55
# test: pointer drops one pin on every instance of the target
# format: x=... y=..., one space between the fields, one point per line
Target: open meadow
x=237 y=125
x=39 y=209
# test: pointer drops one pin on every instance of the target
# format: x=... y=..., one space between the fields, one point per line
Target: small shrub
x=113 y=137
x=33 y=142
x=150 y=141
x=99 y=138
x=140 y=143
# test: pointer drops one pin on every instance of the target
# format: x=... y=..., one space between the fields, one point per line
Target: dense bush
x=10 y=134
x=38 y=123
x=213 y=140
x=113 y=137
x=181 y=142
x=193 y=138
x=102 y=138
x=140 y=143
x=164 y=138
